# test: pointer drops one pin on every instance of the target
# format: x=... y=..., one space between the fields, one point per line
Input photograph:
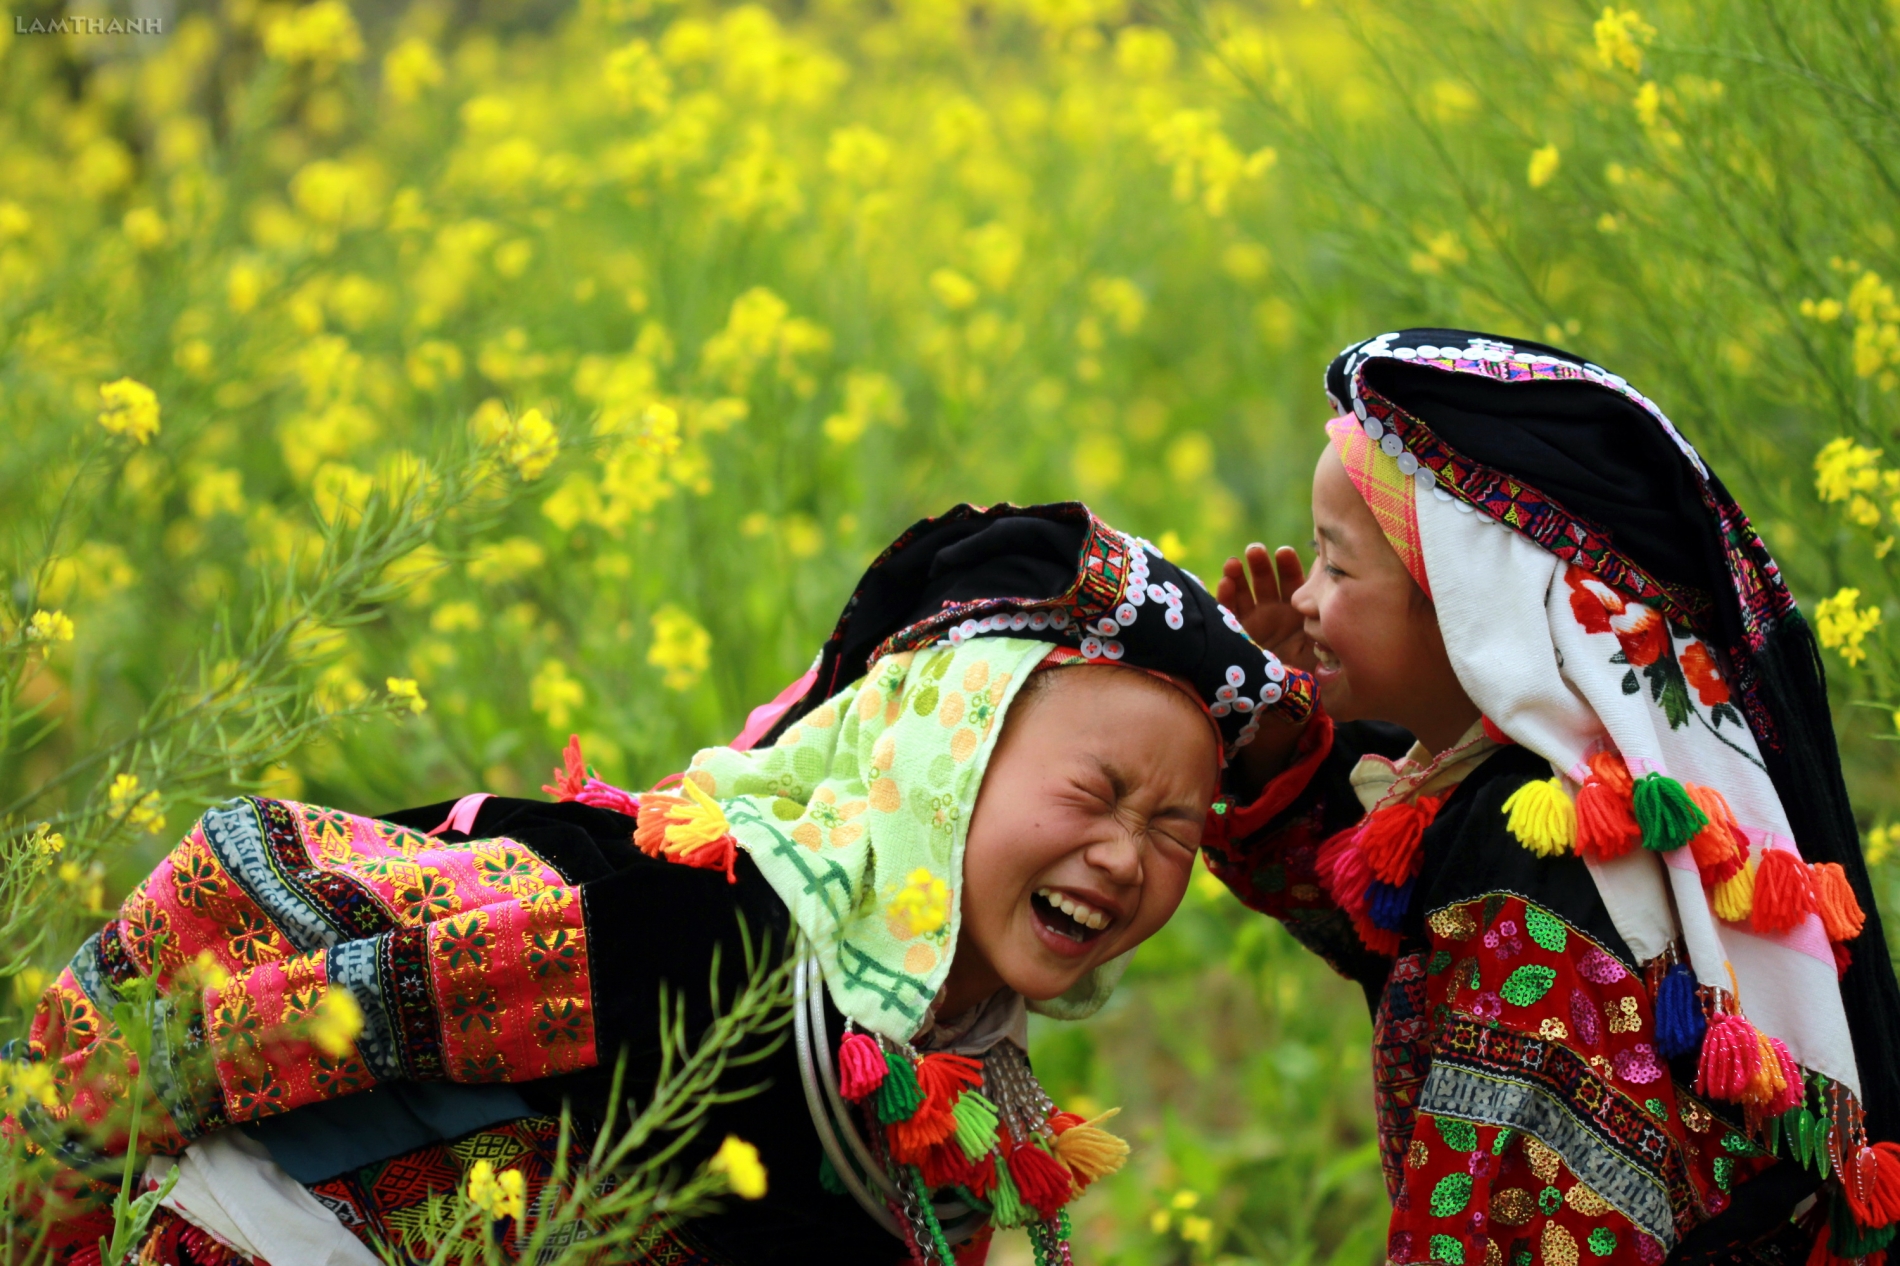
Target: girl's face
x=1381 y=655
x=1084 y=832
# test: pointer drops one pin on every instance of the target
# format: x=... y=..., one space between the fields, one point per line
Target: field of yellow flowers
x=388 y=391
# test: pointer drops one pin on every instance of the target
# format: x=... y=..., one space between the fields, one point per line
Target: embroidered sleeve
x=1270 y=858
x=1548 y=1130
x=464 y=961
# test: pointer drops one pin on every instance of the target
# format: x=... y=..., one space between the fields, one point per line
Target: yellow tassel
x=1542 y=817
x=1090 y=1152
x=1735 y=896
x=700 y=823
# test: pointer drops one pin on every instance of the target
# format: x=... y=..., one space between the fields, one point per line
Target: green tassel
x=1668 y=817
x=1847 y=1239
x=976 y=1124
x=1006 y=1206
x=900 y=1096
x=828 y=1177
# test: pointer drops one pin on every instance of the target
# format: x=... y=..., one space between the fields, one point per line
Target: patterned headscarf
x=1628 y=625
x=858 y=811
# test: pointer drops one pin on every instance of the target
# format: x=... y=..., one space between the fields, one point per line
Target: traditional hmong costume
x=505 y=952
x=1602 y=933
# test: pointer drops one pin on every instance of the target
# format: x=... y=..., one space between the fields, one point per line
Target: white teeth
x=1325 y=657
x=1087 y=915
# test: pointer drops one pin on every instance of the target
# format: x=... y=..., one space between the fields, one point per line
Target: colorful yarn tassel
x=1668 y=817
x=976 y=1120
x=1041 y=1179
x=1734 y=897
x=1390 y=839
x=1679 y=1022
x=860 y=1066
x=898 y=1095
x=1085 y=1149
x=1386 y=905
x=1793 y=1088
x=1006 y=1203
x=942 y=1079
x=1784 y=893
x=1840 y=910
x=1731 y=1056
x=1720 y=849
x=1846 y=1239
x=1542 y=817
x=1873 y=1187
x=691 y=830
x=1769 y=1082
x=1606 y=822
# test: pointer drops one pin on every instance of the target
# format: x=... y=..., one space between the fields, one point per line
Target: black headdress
x=1054 y=573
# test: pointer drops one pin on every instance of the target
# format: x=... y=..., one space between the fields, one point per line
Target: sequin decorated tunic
x=1524 y=1114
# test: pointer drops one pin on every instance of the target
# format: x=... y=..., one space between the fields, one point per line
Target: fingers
x=1286 y=561
x=1260 y=574
x=1232 y=591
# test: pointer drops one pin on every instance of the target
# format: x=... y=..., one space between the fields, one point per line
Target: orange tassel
x=942 y=1078
x=1606 y=822
x=1719 y=846
x=1784 y=894
x=1841 y=914
x=1768 y=1080
x=690 y=829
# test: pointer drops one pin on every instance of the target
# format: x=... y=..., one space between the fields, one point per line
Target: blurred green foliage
x=615 y=340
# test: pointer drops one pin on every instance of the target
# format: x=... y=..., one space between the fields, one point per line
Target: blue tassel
x=1679 y=1020
x=1386 y=905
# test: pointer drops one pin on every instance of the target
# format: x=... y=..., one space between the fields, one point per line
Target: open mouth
x=1072 y=920
x=1324 y=654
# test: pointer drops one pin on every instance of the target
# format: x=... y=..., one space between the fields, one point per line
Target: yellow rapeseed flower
x=1843 y=468
x=1620 y=36
x=336 y=1022
x=409 y=69
x=681 y=649
x=553 y=693
x=1543 y=166
x=131 y=409
x=1196 y=1229
x=531 y=444
x=920 y=907
x=1842 y=627
x=321 y=34
x=139 y=809
x=739 y=1161
x=49 y=626
x=405 y=688
x=145 y=228
x=1878 y=845
x=500 y=1195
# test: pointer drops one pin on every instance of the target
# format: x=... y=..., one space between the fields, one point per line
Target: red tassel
x=1784 y=894
x=1843 y=959
x=1060 y=1121
x=1390 y=840
x=1840 y=911
x=1731 y=1056
x=1041 y=1179
x=1886 y=1183
x=1719 y=848
x=1606 y=822
x=861 y=1066
x=569 y=779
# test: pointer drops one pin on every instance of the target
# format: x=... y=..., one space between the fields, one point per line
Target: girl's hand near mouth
x=1260 y=594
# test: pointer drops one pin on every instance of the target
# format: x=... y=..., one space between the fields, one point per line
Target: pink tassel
x=861 y=1066
x=1731 y=1056
x=1794 y=1091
